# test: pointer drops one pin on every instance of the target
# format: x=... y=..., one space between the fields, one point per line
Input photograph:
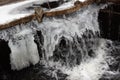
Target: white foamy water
x=69 y=27
x=92 y=69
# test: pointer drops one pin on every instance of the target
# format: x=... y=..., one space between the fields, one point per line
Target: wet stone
x=49 y=5
x=39 y=40
x=4 y=55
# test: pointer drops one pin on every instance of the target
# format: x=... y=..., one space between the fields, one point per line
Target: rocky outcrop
x=109 y=21
x=4 y=55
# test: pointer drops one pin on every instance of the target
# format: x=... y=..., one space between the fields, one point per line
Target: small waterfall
x=69 y=43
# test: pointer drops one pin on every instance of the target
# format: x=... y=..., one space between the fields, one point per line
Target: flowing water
x=68 y=45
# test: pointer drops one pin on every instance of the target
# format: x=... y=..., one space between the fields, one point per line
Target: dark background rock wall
x=109 y=21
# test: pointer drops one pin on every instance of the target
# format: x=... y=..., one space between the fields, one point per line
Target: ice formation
x=23 y=50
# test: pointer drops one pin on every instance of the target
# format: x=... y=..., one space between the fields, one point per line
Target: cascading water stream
x=69 y=43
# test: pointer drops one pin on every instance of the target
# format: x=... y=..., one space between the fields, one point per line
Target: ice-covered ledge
x=14 y=14
x=8 y=12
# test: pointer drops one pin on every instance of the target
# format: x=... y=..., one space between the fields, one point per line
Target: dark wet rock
x=109 y=22
x=37 y=72
x=49 y=5
x=39 y=40
x=4 y=55
x=91 y=53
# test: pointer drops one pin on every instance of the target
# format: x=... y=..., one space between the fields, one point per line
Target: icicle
x=23 y=50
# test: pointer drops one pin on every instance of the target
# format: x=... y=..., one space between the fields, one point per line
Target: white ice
x=6 y=11
x=23 y=50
